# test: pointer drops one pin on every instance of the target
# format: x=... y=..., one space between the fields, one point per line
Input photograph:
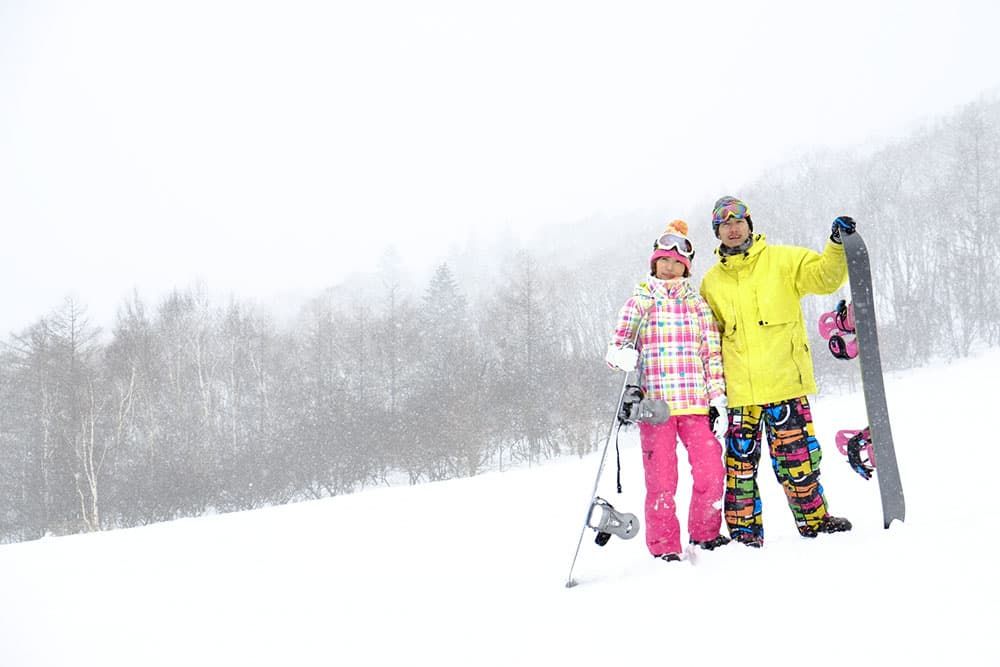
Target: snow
x=472 y=571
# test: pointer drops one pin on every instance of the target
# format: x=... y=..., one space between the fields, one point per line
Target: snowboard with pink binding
x=851 y=332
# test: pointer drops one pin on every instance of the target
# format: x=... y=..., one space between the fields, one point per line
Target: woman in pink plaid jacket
x=681 y=363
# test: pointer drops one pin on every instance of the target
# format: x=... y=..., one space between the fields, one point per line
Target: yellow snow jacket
x=755 y=298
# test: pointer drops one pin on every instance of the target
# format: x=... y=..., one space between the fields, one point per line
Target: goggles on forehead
x=732 y=209
x=676 y=242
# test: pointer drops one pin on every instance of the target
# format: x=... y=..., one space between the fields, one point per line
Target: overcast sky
x=270 y=146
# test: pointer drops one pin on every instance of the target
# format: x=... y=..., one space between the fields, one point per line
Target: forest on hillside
x=189 y=405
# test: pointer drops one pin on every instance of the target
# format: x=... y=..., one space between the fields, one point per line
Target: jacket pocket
x=798 y=350
x=777 y=301
x=729 y=331
x=773 y=310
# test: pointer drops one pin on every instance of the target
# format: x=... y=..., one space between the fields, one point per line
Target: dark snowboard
x=889 y=485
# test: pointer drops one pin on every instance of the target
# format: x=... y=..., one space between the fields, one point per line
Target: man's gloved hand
x=843 y=225
x=718 y=417
x=622 y=358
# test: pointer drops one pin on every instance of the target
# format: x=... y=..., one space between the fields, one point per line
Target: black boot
x=708 y=545
x=834 y=524
x=670 y=558
x=749 y=539
x=828 y=524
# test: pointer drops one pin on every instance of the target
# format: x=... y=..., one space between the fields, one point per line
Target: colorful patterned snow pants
x=659 y=460
x=795 y=457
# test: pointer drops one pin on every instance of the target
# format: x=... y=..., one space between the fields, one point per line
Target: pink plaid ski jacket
x=680 y=356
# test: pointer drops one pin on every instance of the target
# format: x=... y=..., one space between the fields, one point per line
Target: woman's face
x=668 y=268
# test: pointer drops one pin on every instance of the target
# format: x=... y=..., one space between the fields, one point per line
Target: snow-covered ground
x=472 y=571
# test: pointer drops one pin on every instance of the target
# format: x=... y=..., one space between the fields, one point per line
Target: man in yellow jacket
x=755 y=292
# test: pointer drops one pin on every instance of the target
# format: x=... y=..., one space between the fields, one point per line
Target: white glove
x=721 y=424
x=622 y=358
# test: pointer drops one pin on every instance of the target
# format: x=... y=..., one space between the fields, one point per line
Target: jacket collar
x=653 y=287
x=748 y=258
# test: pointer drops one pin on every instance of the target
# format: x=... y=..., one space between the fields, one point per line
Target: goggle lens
x=730 y=210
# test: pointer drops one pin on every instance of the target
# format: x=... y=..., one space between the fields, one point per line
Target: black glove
x=713 y=414
x=843 y=225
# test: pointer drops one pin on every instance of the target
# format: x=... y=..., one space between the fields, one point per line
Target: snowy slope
x=472 y=571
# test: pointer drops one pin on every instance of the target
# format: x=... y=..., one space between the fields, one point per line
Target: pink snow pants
x=659 y=458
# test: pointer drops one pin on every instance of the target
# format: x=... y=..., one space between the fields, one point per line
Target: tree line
x=193 y=407
x=188 y=406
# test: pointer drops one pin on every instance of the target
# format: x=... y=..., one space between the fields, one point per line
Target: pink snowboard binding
x=837 y=328
x=857 y=447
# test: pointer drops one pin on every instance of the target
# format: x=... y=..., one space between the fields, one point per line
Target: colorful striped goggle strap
x=676 y=242
x=731 y=209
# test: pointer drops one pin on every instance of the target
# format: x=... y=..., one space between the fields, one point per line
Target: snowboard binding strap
x=610 y=521
x=838 y=329
x=637 y=408
x=857 y=447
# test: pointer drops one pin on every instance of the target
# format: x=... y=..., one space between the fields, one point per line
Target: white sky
x=265 y=147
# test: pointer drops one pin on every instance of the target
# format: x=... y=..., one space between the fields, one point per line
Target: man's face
x=733 y=232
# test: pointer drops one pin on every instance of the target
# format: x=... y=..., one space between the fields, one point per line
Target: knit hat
x=729 y=207
x=673 y=243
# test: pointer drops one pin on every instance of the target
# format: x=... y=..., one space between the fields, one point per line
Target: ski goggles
x=676 y=242
x=730 y=210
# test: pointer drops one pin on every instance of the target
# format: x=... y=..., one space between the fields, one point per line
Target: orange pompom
x=678 y=227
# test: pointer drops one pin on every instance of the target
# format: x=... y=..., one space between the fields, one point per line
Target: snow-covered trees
x=188 y=406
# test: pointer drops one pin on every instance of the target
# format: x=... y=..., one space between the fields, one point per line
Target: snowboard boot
x=670 y=558
x=829 y=524
x=749 y=539
x=834 y=524
x=709 y=545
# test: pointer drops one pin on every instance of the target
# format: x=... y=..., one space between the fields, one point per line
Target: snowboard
x=860 y=277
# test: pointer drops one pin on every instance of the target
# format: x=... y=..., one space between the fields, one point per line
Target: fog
x=271 y=150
